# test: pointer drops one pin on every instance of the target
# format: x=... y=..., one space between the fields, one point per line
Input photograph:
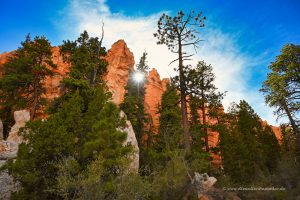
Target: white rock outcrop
x=21 y=117
x=131 y=140
x=9 y=147
x=7 y=185
x=202 y=183
x=8 y=150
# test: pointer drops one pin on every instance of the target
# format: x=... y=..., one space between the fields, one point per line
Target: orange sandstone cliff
x=120 y=62
x=52 y=84
x=154 y=89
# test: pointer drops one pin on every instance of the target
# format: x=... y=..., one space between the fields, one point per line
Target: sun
x=138 y=76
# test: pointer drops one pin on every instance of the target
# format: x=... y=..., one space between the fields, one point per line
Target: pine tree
x=270 y=148
x=82 y=125
x=196 y=128
x=87 y=63
x=200 y=84
x=169 y=137
x=35 y=166
x=178 y=33
x=282 y=86
x=133 y=104
x=73 y=132
x=248 y=149
x=87 y=67
x=23 y=74
x=142 y=66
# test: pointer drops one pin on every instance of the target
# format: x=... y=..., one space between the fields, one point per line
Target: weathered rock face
x=9 y=147
x=120 y=62
x=8 y=150
x=131 y=140
x=2 y=147
x=154 y=89
x=21 y=117
x=7 y=185
x=52 y=84
x=203 y=182
x=3 y=59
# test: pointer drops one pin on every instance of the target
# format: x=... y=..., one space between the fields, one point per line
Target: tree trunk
x=204 y=120
x=184 y=116
x=94 y=76
x=35 y=101
x=292 y=121
x=295 y=129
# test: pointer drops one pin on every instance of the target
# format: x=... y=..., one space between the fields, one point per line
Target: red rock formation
x=121 y=61
x=277 y=132
x=275 y=129
x=52 y=84
x=154 y=89
x=3 y=59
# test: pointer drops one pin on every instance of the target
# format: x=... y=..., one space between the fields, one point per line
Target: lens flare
x=138 y=76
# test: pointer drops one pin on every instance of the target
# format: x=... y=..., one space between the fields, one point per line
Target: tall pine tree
x=87 y=63
x=178 y=33
x=282 y=88
x=204 y=96
x=23 y=74
x=133 y=104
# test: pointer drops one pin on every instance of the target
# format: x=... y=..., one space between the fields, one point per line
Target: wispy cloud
x=231 y=66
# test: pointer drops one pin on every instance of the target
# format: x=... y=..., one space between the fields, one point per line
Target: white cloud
x=231 y=66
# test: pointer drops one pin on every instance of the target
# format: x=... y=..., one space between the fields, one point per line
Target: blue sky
x=240 y=38
x=264 y=25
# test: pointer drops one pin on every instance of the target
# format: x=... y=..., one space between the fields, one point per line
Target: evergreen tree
x=82 y=126
x=142 y=66
x=178 y=33
x=87 y=67
x=169 y=137
x=200 y=86
x=133 y=104
x=196 y=128
x=47 y=142
x=249 y=149
x=73 y=132
x=173 y=181
x=23 y=74
x=270 y=148
x=287 y=173
x=87 y=63
x=168 y=140
x=282 y=87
